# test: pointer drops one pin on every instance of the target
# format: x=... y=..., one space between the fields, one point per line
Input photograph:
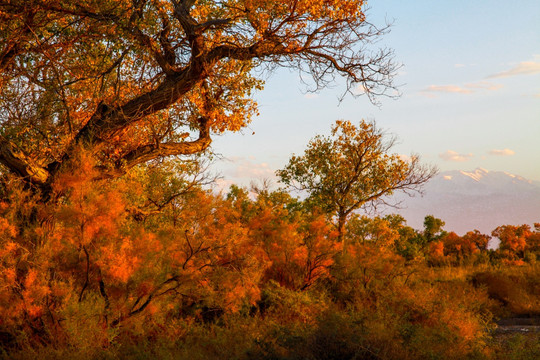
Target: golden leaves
x=351 y=169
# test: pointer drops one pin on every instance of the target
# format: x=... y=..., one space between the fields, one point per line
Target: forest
x=114 y=243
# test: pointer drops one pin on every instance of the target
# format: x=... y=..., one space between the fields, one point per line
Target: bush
x=517 y=290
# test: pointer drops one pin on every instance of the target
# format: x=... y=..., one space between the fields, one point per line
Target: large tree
x=352 y=169
x=132 y=81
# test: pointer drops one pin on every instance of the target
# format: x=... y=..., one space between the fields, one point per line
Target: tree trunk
x=342 y=220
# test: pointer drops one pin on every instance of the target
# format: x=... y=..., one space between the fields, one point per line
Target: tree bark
x=342 y=220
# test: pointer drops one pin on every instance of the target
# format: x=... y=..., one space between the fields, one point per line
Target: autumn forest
x=115 y=244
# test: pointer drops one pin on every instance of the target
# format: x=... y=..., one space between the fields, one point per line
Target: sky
x=469 y=84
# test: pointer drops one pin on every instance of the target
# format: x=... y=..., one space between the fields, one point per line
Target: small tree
x=352 y=169
x=433 y=229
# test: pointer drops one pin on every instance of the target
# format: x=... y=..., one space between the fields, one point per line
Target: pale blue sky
x=470 y=85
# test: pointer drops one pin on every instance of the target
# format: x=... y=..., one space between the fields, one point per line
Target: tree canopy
x=137 y=80
x=352 y=169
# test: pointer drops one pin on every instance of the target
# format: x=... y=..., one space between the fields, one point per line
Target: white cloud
x=451 y=155
x=459 y=65
x=503 y=152
x=248 y=169
x=483 y=85
x=448 y=89
x=222 y=185
x=523 y=68
x=468 y=88
x=359 y=90
x=405 y=157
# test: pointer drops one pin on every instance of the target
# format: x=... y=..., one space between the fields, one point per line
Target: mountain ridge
x=477 y=199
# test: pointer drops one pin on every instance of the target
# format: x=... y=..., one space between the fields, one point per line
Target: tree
x=455 y=248
x=131 y=81
x=352 y=169
x=378 y=231
x=433 y=228
x=513 y=240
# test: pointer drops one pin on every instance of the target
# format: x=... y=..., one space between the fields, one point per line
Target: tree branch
x=152 y=151
x=20 y=164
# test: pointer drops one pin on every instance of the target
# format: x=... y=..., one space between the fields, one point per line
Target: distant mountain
x=479 y=199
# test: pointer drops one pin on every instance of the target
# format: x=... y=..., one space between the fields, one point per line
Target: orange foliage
x=119 y=256
x=436 y=250
x=454 y=248
x=514 y=240
x=298 y=247
x=138 y=82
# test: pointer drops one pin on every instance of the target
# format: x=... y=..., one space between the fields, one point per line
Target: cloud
x=483 y=85
x=523 y=68
x=448 y=89
x=245 y=168
x=223 y=185
x=503 y=152
x=451 y=155
x=405 y=157
x=459 y=65
x=468 y=88
x=359 y=90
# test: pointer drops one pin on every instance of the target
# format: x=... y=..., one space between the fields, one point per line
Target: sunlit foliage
x=156 y=265
x=111 y=246
x=134 y=81
x=352 y=169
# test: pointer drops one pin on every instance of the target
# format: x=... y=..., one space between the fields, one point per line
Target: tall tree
x=433 y=229
x=352 y=169
x=137 y=80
